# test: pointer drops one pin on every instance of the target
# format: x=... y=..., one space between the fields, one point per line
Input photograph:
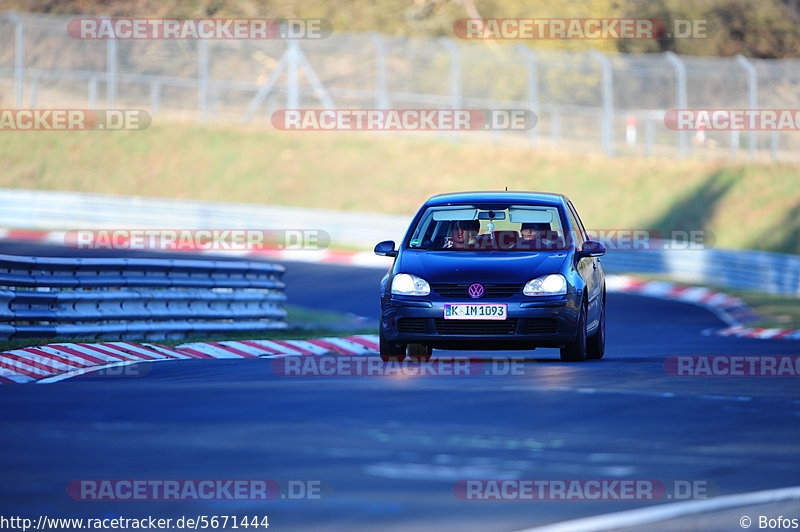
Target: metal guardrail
x=758 y=271
x=129 y=298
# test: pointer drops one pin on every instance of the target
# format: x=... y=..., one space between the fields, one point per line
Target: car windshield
x=499 y=228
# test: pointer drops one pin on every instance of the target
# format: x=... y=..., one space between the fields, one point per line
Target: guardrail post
x=381 y=77
x=532 y=83
x=607 y=127
x=680 y=96
x=752 y=100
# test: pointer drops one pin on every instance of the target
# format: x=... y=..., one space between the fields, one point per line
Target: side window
x=578 y=231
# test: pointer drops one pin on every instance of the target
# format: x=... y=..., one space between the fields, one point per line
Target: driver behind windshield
x=463 y=234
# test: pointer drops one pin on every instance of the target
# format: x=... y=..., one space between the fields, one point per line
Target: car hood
x=480 y=266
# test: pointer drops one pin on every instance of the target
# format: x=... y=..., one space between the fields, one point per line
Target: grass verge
x=744 y=205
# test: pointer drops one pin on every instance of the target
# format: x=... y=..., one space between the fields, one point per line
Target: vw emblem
x=475 y=290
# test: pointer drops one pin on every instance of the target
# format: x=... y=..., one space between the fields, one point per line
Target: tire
x=575 y=351
x=596 y=344
x=391 y=352
x=419 y=352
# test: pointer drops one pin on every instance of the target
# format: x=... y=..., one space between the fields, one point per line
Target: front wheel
x=575 y=351
x=596 y=344
x=391 y=352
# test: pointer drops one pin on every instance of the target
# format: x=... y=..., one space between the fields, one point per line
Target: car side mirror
x=591 y=248
x=386 y=249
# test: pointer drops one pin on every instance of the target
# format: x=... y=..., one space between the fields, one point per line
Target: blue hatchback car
x=493 y=270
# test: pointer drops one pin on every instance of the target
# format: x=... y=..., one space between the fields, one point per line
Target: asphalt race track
x=388 y=451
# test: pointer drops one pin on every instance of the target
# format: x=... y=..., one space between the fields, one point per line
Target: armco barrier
x=127 y=298
x=758 y=271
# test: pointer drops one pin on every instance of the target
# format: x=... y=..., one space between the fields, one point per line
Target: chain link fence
x=585 y=101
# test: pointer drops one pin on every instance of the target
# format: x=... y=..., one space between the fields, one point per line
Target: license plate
x=461 y=311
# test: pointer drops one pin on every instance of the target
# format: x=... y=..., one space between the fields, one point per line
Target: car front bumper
x=531 y=322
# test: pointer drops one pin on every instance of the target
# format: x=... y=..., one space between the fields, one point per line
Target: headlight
x=547 y=285
x=405 y=284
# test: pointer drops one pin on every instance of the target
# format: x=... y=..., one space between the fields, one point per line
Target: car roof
x=498 y=196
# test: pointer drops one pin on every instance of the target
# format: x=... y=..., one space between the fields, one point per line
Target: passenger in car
x=538 y=236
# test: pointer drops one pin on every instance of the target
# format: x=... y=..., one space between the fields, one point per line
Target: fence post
x=92 y=96
x=33 y=99
x=533 y=84
x=773 y=150
x=292 y=76
x=455 y=72
x=648 y=136
x=455 y=78
x=752 y=99
x=608 y=102
x=734 y=143
x=202 y=79
x=111 y=73
x=155 y=97
x=381 y=80
x=555 y=125
x=680 y=95
x=19 y=59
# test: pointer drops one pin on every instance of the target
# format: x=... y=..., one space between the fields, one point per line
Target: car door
x=588 y=268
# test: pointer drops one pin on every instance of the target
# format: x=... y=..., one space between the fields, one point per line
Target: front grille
x=539 y=326
x=411 y=325
x=476 y=327
x=490 y=289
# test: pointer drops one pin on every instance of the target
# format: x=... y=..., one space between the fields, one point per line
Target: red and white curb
x=59 y=361
x=730 y=309
x=741 y=331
